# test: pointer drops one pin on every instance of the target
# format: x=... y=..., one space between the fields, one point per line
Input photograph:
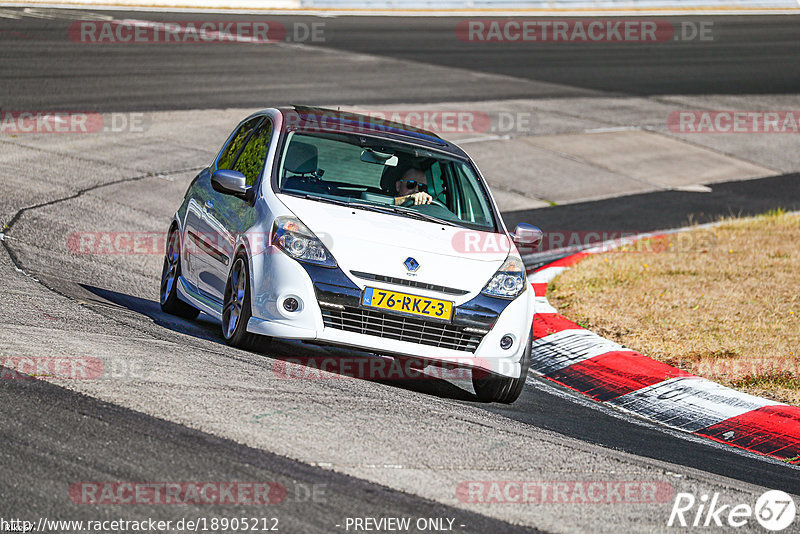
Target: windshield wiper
x=315 y=197
x=425 y=216
x=373 y=207
x=380 y=208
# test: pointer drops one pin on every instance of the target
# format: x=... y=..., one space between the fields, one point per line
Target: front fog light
x=509 y=280
x=506 y=341
x=291 y=305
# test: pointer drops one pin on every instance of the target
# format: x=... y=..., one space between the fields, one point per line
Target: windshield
x=371 y=173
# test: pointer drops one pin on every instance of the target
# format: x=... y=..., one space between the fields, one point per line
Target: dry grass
x=722 y=303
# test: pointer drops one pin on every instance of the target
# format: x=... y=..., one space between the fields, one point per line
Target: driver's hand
x=421 y=198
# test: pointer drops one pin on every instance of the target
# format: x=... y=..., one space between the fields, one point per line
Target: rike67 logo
x=774 y=510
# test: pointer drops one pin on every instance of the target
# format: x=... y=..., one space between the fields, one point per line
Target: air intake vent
x=408 y=283
x=401 y=328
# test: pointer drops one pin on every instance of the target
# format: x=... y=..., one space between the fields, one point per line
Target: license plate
x=405 y=303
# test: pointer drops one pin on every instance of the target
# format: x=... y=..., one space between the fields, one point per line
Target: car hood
x=379 y=244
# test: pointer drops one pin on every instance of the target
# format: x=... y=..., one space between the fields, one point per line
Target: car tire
x=494 y=388
x=236 y=311
x=170 y=273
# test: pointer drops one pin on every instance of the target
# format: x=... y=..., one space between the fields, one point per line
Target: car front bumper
x=278 y=277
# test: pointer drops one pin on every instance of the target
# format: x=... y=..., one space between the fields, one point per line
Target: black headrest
x=301 y=158
x=392 y=174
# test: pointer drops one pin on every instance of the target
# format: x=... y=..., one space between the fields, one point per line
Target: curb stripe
x=545 y=324
x=568 y=347
x=567 y=354
x=689 y=403
x=614 y=374
x=543 y=305
x=545 y=274
x=567 y=261
x=539 y=289
x=770 y=430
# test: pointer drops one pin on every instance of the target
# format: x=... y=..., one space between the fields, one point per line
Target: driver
x=413 y=185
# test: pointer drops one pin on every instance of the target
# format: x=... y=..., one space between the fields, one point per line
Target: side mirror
x=527 y=236
x=229 y=182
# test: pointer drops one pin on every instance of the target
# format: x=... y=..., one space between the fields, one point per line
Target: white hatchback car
x=341 y=229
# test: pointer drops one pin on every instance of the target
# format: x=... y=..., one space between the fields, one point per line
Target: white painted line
x=612 y=129
x=194 y=34
x=689 y=403
x=38 y=13
x=66 y=14
x=562 y=349
x=694 y=188
x=483 y=138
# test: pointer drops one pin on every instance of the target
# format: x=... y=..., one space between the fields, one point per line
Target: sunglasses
x=411 y=184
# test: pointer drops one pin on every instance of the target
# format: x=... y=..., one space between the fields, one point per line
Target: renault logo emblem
x=411 y=264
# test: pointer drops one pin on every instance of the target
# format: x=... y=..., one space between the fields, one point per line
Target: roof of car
x=332 y=120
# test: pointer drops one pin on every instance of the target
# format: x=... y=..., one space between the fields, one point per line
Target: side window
x=473 y=204
x=228 y=156
x=251 y=160
x=436 y=181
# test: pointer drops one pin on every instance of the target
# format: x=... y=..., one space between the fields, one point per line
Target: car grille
x=401 y=328
x=409 y=283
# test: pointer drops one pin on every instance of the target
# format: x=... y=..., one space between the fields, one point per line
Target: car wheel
x=170 y=303
x=494 y=388
x=236 y=308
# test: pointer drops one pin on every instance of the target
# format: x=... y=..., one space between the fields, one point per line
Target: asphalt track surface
x=662 y=210
x=109 y=433
x=40 y=72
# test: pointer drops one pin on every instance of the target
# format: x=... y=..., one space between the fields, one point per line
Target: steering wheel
x=410 y=202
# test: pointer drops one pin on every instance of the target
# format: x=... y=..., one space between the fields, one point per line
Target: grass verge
x=721 y=302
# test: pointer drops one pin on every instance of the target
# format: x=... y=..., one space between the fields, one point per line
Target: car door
x=191 y=226
x=199 y=243
x=226 y=216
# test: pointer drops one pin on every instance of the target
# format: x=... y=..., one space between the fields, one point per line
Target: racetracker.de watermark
x=132 y=31
x=28 y=367
x=464 y=242
x=73 y=368
x=564 y=492
x=71 y=122
x=441 y=121
x=583 y=31
x=731 y=122
x=137 y=243
x=469 y=242
x=154 y=493
x=372 y=368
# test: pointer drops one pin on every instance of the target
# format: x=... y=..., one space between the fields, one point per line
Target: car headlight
x=509 y=280
x=295 y=239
